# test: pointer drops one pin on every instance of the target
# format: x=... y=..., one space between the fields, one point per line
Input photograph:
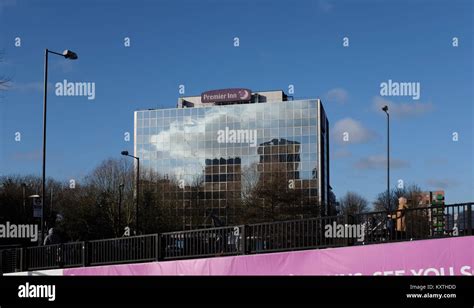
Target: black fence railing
x=120 y=250
x=415 y=223
x=55 y=256
x=322 y=232
x=220 y=241
x=294 y=235
x=11 y=260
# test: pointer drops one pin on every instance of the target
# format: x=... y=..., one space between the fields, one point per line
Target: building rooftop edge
x=174 y=108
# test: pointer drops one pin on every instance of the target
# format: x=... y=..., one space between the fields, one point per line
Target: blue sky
x=281 y=43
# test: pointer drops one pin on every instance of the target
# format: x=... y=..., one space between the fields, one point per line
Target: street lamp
x=35 y=200
x=385 y=109
x=125 y=153
x=120 y=207
x=23 y=187
x=71 y=56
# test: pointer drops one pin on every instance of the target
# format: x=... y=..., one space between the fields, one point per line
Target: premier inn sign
x=226 y=95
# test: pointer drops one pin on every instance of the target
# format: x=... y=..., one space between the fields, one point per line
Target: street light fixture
x=68 y=54
x=385 y=109
x=125 y=153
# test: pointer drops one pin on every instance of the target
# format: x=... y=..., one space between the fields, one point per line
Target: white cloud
x=353 y=130
x=342 y=153
x=378 y=162
x=189 y=141
x=325 y=6
x=402 y=110
x=442 y=183
x=29 y=86
x=337 y=95
x=6 y=3
x=179 y=142
x=64 y=66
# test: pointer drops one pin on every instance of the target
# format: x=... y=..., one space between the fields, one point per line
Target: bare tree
x=353 y=203
x=104 y=183
x=249 y=180
x=412 y=192
x=268 y=196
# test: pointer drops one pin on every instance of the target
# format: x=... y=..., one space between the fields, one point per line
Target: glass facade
x=220 y=157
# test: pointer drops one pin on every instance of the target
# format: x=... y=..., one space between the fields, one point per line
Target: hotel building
x=225 y=148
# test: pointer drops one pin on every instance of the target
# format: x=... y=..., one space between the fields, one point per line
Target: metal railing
x=11 y=260
x=293 y=235
x=415 y=223
x=140 y=248
x=220 y=241
x=322 y=232
x=55 y=256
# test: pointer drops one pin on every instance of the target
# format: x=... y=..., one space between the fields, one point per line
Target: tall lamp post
x=125 y=153
x=120 y=208
x=71 y=56
x=23 y=187
x=385 y=109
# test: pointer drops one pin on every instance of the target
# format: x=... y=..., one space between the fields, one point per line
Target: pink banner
x=443 y=257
